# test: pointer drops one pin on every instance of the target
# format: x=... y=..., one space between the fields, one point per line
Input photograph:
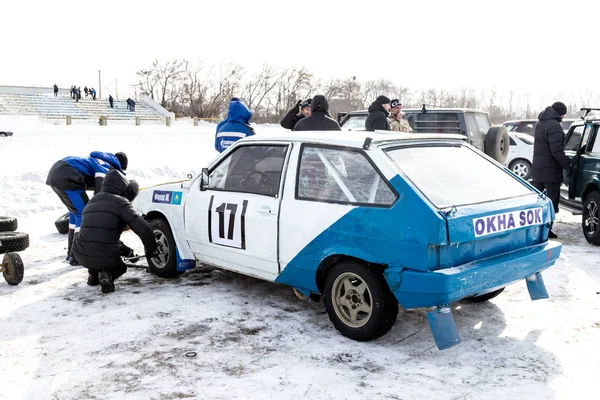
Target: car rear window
x=455 y=175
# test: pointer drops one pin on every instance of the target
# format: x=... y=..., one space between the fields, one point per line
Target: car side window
x=341 y=176
x=574 y=138
x=527 y=127
x=596 y=148
x=250 y=169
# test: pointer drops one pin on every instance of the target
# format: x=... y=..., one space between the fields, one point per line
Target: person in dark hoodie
x=235 y=127
x=72 y=176
x=292 y=117
x=97 y=247
x=549 y=157
x=319 y=119
x=378 y=114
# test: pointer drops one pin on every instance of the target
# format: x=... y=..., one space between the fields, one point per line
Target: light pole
x=99 y=85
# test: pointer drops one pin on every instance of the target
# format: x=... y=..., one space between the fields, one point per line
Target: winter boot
x=72 y=259
x=70 y=243
x=93 y=279
x=106 y=281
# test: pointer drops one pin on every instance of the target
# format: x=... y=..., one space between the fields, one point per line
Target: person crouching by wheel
x=72 y=176
x=103 y=220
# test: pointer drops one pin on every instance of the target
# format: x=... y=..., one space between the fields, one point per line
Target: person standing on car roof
x=292 y=117
x=235 y=127
x=72 y=176
x=397 y=123
x=378 y=113
x=97 y=247
x=549 y=157
x=319 y=119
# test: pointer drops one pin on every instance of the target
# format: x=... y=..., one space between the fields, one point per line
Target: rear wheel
x=165 y=264
x=590 y=219
x=359 y=302
x=485 y=297
x=521 y=168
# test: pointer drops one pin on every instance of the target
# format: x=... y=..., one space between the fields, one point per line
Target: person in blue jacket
x=72 y=176
x=235 y=126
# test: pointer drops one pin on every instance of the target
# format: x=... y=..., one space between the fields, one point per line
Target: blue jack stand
x=443 y=327
x=536 y=287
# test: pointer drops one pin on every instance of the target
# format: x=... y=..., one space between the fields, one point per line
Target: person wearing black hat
x=397 y=123
x=319 y=119
x=378 y=113
x=72 y=176
x=292 y=117
x=549 y=157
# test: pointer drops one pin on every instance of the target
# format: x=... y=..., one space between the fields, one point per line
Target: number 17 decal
x=227 y=223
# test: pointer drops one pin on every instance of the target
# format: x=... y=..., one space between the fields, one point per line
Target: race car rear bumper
x=414 y=289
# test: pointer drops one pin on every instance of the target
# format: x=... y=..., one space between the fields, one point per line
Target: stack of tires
x=10 y=243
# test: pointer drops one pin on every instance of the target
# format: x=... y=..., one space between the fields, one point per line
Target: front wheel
x=590 y=218
x=165 y=264
x=521 y=168
x=359 y=302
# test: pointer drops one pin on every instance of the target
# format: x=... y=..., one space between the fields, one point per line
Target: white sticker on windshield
x=507 y=221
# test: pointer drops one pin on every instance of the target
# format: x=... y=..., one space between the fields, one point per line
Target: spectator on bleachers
x=128 y=102
x=86 y=91
x=55 y=90
x=110 y=100
x=93 y=93
x=132 y=105
x=72 y=91
x=78 y=94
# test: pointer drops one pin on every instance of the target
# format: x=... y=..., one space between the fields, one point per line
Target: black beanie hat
x=382 y=100
x=305 y=103
x=122 y=157
x=395 y=103
x=560 y=108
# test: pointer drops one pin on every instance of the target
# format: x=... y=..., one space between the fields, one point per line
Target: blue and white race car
x=365 y=221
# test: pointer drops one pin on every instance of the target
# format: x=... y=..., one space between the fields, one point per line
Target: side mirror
x=204 y=179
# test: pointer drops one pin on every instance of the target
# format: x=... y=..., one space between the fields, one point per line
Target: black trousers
x=552 y=191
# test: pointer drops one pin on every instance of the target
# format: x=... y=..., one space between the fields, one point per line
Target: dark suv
x=581 y=191
x=475 y=124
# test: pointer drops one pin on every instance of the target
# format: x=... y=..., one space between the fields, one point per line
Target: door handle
x=265 y=210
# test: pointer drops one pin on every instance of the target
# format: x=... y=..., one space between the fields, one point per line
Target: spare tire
x=12 y=268
x=8 y=224
x=497 y=143
x=13 y=241
x=62 y=224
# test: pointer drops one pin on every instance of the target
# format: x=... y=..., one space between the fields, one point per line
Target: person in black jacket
x=110 y=100
x=292 y=117
x=97 y=246
x=549 y=157
x=55 y=90
x=378 y=114
x=319 y=119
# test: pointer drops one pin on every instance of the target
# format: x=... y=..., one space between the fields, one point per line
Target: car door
x=589 y=159
x=574 y=141
x=233 y=222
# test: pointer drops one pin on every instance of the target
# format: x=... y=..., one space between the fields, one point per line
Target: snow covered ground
x=212 y=334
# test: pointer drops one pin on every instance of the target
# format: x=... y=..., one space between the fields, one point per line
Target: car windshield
x=355 y=122
x=455 y=175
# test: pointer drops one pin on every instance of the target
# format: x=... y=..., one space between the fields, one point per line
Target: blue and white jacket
x=234 y=127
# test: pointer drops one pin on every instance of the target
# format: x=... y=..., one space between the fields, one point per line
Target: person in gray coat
x=549 y=159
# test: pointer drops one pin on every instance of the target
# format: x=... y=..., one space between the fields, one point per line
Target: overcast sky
x=520 y=45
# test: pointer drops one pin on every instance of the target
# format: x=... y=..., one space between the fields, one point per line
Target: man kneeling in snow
x=103 y=220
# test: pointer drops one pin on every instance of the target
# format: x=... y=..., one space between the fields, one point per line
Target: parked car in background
x=474 y=124
x=520 y=154
x=5 y=133
x=581 y=191
x=527 y=125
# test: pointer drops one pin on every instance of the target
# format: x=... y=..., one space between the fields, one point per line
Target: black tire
x=13 y=241
x=8 y=224
x=497 y=143
x=165 y=265
x=12 y=268
x=62 y=224
x=2 y=134
x=590 y=218
x=521 y=168
x=484 y=297
x=377 y=297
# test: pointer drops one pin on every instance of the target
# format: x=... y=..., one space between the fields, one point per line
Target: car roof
x=428 y=110
x=355 y=138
